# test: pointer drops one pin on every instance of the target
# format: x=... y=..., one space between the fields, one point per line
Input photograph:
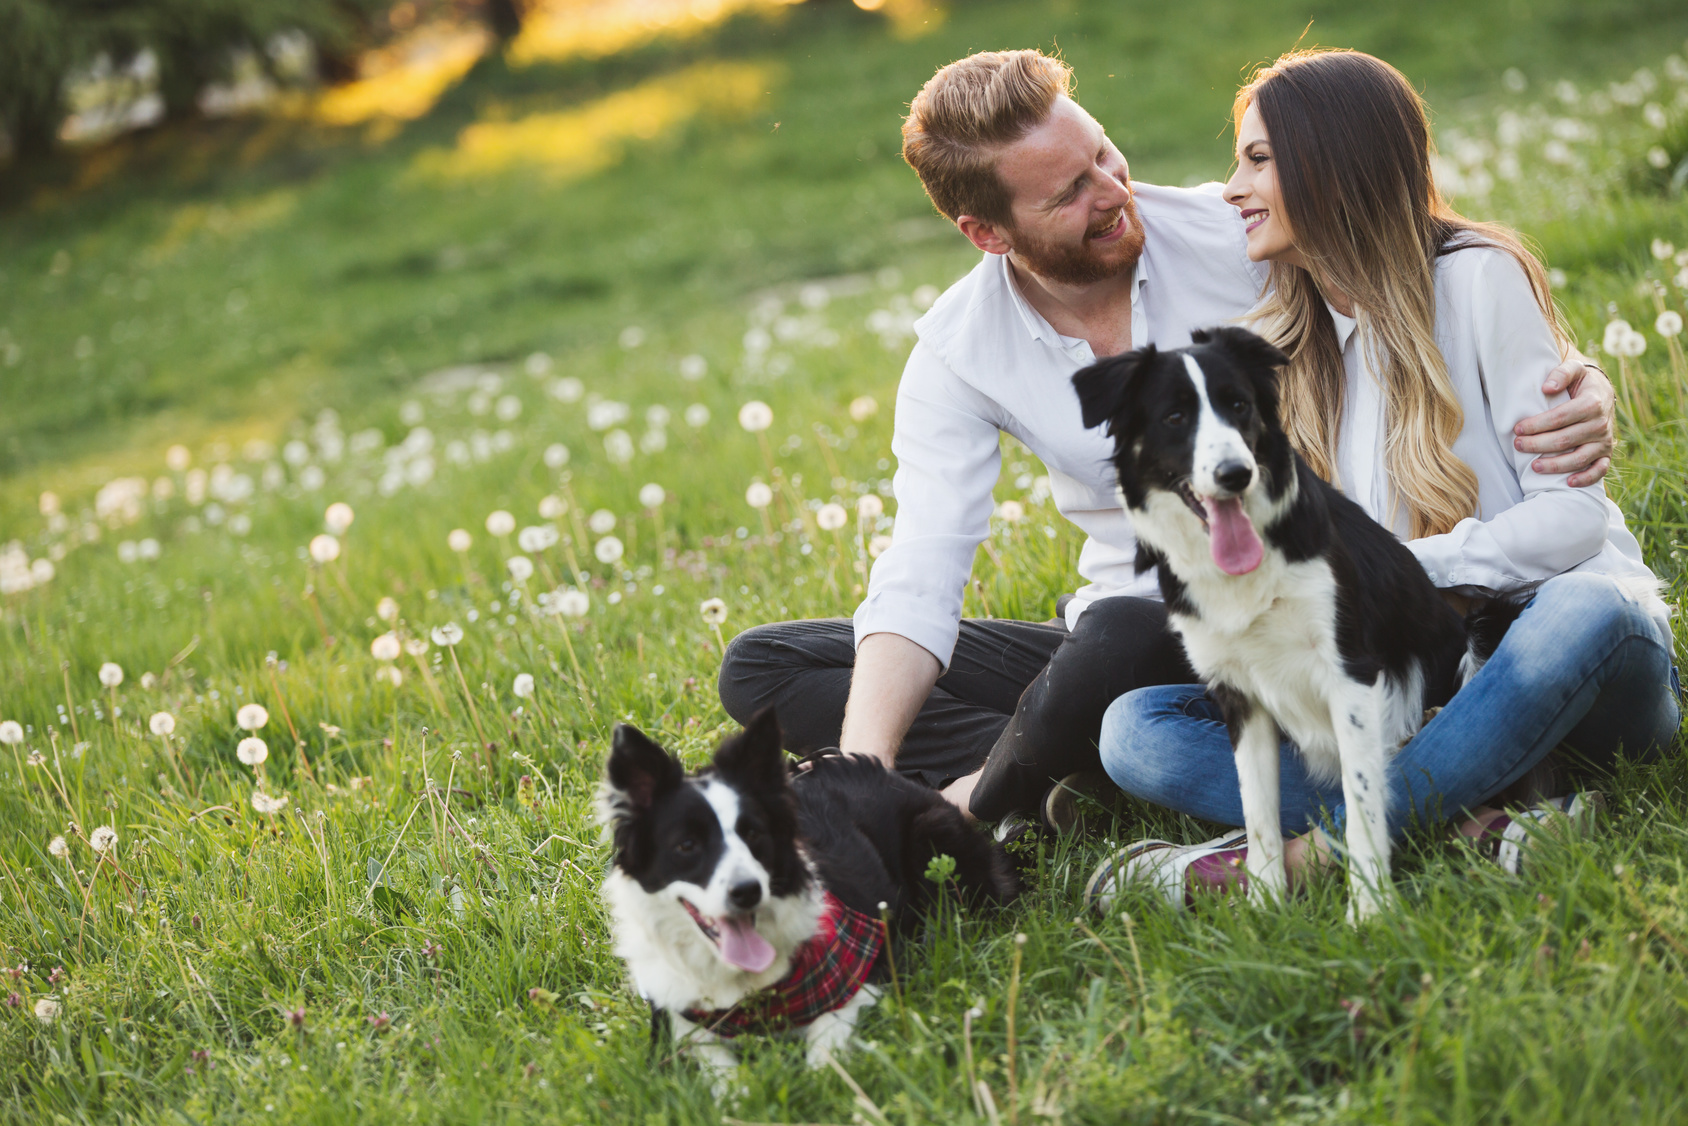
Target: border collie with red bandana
x=1303 y=615
x=746 y=900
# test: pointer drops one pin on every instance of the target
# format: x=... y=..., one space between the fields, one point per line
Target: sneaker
x=1064 y=806
x=1506 y=839
x=1014 y=828
x=1177 y=871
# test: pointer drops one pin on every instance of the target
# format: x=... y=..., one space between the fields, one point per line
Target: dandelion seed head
x=523 y=686
x=111 y=674
x=324 y=548
x=556 y=455
x=459 y=540
x=11 y=732
x=1669 y=323
x=251 y=750
x=608 y=550
x=869 y=507
x=447 y=635
x=390 y=674
x=831 y=517
x=601 y=522
x=178 y=458
x=58 y=847
x=387 y=610
x=693 y=367
x=863 y=407
x=520 y=568
x=570 y=603
x=759 y=495
x=102 y=839
x=148 y=681
x=266 y=804
x=618 y=446
x=756 y=416
x=162 y=723
x=878 y=546
x=1662 y=249
x=47 y=1010
x=36 y=758
x=697 y=416
x=652 y=495
x=1011 y=510
x=553 y=507
x=416 y=646
x=386 y=647
x=714 y=611
x=251 y=717
x=500 y=523
x=536 y=538
x=338 y=518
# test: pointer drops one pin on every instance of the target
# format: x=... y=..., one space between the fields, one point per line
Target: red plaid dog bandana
x=826 y=972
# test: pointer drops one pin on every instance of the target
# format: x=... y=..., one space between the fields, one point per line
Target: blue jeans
x=1584 y=665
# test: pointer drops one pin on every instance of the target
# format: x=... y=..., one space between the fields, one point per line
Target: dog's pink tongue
x=1231 y=537
x=742 y=946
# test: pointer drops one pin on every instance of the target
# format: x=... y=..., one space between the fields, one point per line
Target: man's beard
x=1085 y=263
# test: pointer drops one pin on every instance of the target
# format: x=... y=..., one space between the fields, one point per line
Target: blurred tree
x=39 y=43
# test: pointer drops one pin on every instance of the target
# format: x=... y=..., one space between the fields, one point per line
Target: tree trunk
x=505 y=18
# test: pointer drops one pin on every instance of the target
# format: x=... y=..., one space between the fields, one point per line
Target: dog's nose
x=1234 y=476
x=745 y=895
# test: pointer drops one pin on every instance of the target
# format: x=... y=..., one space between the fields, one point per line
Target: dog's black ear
x=639 y=769
x=1103 y=385
x=1247 y=347
x=753 y=757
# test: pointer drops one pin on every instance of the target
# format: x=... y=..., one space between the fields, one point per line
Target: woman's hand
x=1576 y=434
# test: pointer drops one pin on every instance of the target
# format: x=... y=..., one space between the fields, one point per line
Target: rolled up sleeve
x=1553 y=527
x=948 y=457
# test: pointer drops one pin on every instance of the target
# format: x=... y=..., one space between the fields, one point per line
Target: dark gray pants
x=1023 y=699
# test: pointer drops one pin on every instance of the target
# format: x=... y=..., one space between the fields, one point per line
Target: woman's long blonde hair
x=1352 y=148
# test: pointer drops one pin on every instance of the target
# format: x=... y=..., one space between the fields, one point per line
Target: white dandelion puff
x=756 y=416
x=500 y=523
x=264 y=803
x=47 y=1010
x=251 y=717
x=714 y=611
x=697 y=416
x=338 y=518
x=520 y=568
x=553 y=507
x=831 y=517
x=601 y=522
x=1662 y=249
x=570 y=603
x=390 y=674
x=556 y=455
x=878 y=546
x=387 y=610
x=693 y=367
x=386 y=647
x=869 y=507
x=618 y=446
x=162 y=723
x=536 y=538
x=324 y=548
x=863 y=407
x=111 y=674
x=416 y=646
x=459 y=540
x=759 y=495
x=652 y=495
x=102 y=839
x=58 y=847
x=523 y=687
x=608 y=550
x=11 y=732
x=178 y=458
x=252 y=750
x=1669 y=323
x=1011 y=510
x=448 y=635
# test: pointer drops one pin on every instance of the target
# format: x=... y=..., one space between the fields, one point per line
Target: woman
x=1414 y=338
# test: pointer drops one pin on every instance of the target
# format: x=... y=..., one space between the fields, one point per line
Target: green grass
x=1482 y=998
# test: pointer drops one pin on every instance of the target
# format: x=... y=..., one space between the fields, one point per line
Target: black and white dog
x=1302 y=613
x=746 y=900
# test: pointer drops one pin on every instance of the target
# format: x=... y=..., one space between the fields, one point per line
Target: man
x=1079 y=262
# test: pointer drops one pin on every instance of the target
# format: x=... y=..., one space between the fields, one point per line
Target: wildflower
x=601 y=522
x=379 y=1022
x=1669 y=323
x=329 y=729
x=756 y=416
x=608 y=549
x=536 y=538
x=11 y=732
x=416 y=646
x=652 y=495
x=878 y=546
x=111 y=674
x=697 y=416
x=448 y=635
x=387 y=610
x=58 y=847
x=869 y=507
x=102 y=838
x=520 y=567
x=1662 y=249
x=1012 y=511
x=618 y=446
x=148 y=681
x=162 y=723
x=1612 y=342
x=46 y=1010
x=693 y=367
x=1633 y=344
x=251 y=717
x=390 y=674
x=831 y=517
x=338 y=517
x=297 y=1017
x=714 y=611
x=758 y=495
x=264 y=803
x=251 y=751
x=863 y=407
x=458 y=540
x=386 y=647
x=324 y=548
x=556 y=455
x=36 y=758
x=500 y=523
x=1659 y=157
x=524 y=685
x=570 y=603
x=57 y=975
x=553 y=507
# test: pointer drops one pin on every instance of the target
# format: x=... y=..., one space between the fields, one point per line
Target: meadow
x=424 y=444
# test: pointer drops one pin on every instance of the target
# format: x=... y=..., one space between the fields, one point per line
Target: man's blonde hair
x=966 y=113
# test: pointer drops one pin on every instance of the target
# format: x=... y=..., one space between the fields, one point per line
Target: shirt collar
x=1345 y=326
x=1037 y=326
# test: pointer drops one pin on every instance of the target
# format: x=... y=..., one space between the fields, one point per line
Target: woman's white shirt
x=1530 y=526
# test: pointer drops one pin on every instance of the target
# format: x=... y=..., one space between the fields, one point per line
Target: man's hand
x=1576 y=434
x=890 y=683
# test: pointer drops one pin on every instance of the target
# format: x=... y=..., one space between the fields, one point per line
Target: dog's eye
x=1174 y=418
x=687 y=846
x=1239 y=406
x=750 y=834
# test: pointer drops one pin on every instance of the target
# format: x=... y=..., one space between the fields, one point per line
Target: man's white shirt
x=986 y=362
